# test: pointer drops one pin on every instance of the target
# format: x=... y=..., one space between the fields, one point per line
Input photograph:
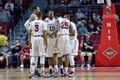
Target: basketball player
x=63 y=44
x=38 y=44
x=73 y=47
x=32 y=17
x=51 y=27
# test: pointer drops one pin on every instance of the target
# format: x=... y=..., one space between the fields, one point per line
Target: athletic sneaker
x=65 y=75
x=44 y=75
x=55 y=73
x=31 y=76
x=82 y=65
x=21 y=66
x=36 y=74
x=88 y=65
x=71 y=74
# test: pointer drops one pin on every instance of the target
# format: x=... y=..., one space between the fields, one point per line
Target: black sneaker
x=36 y=74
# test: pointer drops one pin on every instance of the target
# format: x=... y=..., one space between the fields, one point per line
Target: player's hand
x=73 y=50
x=52 y=36
x=45 y=49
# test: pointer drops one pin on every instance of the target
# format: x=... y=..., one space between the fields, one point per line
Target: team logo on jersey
x=109 y=53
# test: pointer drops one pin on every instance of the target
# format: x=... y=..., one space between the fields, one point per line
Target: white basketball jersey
x=37 y=26
x=74 y=28
x=27 y=23
x=33 y=16
x=64 y=25
x=51 y=25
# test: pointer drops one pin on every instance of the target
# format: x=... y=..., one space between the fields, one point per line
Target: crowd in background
x=10 y=13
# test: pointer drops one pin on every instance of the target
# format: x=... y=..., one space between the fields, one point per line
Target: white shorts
x=74 y=47
x=38 y=48
x=51 y=44
x=63 y=45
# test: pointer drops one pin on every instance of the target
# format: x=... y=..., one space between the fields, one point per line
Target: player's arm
x=29 y=37
x=45 y=38
x=27 y=23
x=44 y=30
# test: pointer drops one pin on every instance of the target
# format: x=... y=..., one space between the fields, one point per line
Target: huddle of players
x=55 y=38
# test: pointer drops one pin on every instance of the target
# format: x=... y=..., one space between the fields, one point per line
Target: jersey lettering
x=64 y=25
x=36 y=28
x=52 y=27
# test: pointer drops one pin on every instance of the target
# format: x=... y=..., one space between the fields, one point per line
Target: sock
x=73 y=69
x=42 y=70
x=32 y=69
x=66 y=70
x=56 y=67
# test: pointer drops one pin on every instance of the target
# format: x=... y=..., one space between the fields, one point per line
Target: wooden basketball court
x=95 y=73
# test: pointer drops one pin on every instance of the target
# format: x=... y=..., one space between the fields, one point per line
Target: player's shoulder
x=46 y=19
x=72 y=23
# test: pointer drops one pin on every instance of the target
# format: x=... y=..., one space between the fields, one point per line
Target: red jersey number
x=64 y=25
x=36 y=28
x=52 y=27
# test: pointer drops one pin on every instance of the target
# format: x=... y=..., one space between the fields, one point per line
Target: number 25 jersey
x=64 y=25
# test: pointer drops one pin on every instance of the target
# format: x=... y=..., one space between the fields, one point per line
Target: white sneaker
x=88 y=65
x=21 y=66
x=82 y=65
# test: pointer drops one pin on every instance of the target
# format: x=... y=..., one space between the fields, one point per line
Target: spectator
x=91 y=28
x=84 y=2
x=10 y=5
x=25 y=53
x=117 y=19
x=3 y=39
x=4 y=16
x=1 y=3
x=1 y=58
x=76 y=21
x=83 y=29
x=5 y=50
x=15 y=52
x=74 y=3
x=96 y=17
x=3 y=27
x=87 y=49
x=90 y=13
x=70 y=13
x=80 y=15
x=51 y=3
x=17 y=9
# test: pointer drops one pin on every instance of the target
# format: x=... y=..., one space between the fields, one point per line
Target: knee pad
x=42 y=60
x=71 y=59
